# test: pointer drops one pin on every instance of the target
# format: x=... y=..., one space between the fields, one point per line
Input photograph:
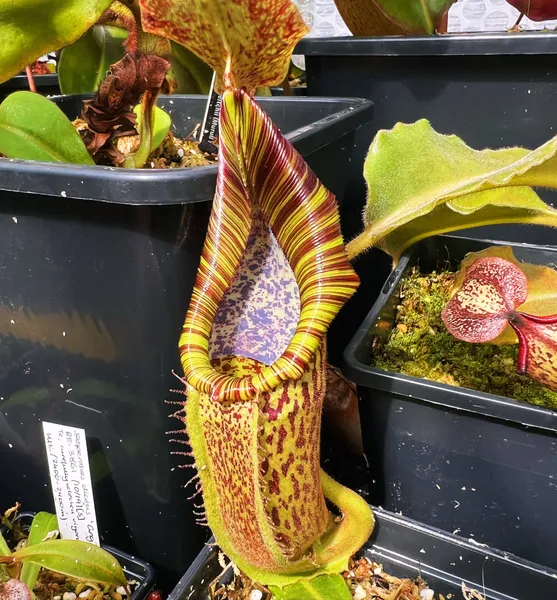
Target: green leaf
x=161 y=125
x=43 y=524
x=31 y=28
x=415 y=16
x=83 y=65
x=324 y=587
x=4 y=548
x=192 y=75
x=422 y=183
x=80 y=560
x=34 y=128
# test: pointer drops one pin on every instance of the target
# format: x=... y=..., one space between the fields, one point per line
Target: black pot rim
x=122 y=186
x=453 y=44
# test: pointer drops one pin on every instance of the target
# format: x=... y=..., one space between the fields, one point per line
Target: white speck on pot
x=12 y=321
x=63 y=194
x=422 y=551
x=64 y=333
x=62 y=385
x=359 y=593
x=10 y=446
x=69 y=596
x=256 y=595
x=457 y=530
x=427 y=594
x=14 y=219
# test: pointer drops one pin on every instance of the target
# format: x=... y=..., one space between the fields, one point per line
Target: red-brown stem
x=30 y=78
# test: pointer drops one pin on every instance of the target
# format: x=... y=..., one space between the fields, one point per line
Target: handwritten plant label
x=70 y=477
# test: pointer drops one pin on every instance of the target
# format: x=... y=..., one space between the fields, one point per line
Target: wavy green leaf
x=161 y=125
x=35 y=27
x=43 y=524
x=324 y=587
x=422 y=183
x=34 y=128
x=415 y=16
x=80 y=560
x=83 y=65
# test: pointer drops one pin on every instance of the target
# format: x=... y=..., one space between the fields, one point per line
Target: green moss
x=419 y=345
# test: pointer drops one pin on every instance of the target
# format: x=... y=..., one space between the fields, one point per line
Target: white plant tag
x=70 y=478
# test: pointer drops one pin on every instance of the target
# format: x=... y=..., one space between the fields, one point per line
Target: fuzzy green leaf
x=32 y=28
x=83 y=65
x=422 y=183
x=43 y=524
x=34 y=128
x=416 y=16
x=161 y=125
x=80 y=560
x=324 y=587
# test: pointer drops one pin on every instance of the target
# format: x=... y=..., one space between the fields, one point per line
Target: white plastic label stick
x=68 y=463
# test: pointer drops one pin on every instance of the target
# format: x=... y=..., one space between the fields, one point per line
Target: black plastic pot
x=406 y=548
x=452 y=457
x=47 y=85
x=97 y=267
x=492 y=90
x=134 y=568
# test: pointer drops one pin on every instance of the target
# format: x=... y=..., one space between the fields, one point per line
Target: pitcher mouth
x=265 y=187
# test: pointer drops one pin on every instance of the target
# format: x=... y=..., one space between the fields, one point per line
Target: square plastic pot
x=459 y=459
x=134 y=568
x=492 y=90
x=406 y=548
x=97 y=268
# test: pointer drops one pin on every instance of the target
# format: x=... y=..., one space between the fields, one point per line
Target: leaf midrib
x=427 y=15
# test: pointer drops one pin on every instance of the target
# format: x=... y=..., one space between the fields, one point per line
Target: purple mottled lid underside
x=259 y=313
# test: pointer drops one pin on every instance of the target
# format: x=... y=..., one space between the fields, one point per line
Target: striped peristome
x=258 y=167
